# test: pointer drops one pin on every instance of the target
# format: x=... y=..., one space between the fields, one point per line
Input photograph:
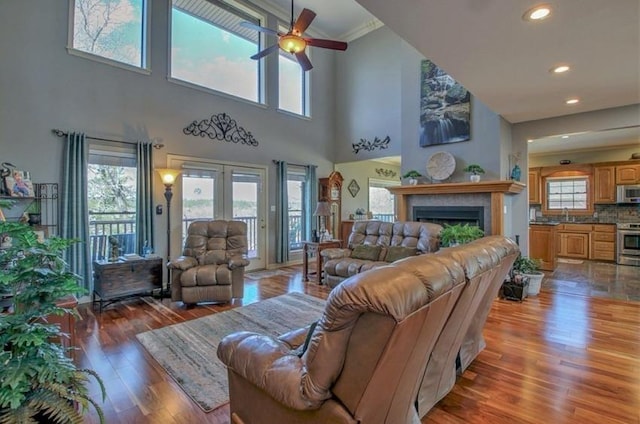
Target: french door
x=225 y=191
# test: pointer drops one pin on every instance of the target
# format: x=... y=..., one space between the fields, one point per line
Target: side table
x=314 y=248
x=114 y=281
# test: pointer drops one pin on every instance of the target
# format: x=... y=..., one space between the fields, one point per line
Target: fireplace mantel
x=497 y=190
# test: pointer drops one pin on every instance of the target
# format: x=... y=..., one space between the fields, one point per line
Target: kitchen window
x=570 y=194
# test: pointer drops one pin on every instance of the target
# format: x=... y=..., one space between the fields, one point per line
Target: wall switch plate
x=158 y=209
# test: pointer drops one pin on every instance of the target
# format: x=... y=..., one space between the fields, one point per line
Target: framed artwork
x=19 y=186
x=353 y=188
x=444 y=107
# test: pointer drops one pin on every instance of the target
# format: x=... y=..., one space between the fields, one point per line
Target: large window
x=381 y=201
x=297 y=201
x=209 y=48
x=293 y=86
x=111 y=29
x=567 y=193
x=112 y=201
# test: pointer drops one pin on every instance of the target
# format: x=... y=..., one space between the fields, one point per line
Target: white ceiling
x=502 y=59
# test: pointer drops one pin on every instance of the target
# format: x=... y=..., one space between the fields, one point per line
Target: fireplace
x=472 y=215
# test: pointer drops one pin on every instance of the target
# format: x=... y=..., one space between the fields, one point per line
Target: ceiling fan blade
x=258 y=28
x=326 y=44
x=265 y=52
x=303 y=21
x=304 y=61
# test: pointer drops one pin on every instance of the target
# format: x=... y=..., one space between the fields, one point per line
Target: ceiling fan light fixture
x=292 y=43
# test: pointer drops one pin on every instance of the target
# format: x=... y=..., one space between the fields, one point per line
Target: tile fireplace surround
x=488 y=194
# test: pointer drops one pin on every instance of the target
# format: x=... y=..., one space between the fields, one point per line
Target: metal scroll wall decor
x=387 y=173
x=371 y=145
x=221 y=127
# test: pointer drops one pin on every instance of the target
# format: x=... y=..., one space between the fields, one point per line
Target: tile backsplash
x=606 y=214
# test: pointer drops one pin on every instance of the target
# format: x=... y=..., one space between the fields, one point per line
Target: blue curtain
x=74 y=207
x=311 y=199
x=282 y=213
x=144 y=200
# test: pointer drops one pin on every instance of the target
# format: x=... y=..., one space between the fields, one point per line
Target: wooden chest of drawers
x=117 y=280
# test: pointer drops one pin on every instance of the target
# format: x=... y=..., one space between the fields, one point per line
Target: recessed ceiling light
x=537 y=13
x=560 y=69
x=565 y=136
x=572 y=101
x=529 y=141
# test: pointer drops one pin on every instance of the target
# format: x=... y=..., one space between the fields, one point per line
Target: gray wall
x=43 y=87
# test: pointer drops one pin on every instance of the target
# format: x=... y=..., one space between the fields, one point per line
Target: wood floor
x=555 y=358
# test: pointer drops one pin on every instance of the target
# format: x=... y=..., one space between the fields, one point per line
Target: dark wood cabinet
x=117 y=280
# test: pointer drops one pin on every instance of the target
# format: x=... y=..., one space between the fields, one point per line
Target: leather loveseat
x=370 y=358
x=211 y=268
x=373 y=244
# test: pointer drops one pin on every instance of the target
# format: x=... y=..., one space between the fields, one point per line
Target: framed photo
x=353 y=188
x=19 y=186
x=445 y=115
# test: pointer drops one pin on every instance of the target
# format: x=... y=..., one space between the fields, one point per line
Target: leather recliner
x=211 y=268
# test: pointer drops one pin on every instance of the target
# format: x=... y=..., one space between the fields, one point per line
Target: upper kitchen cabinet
x=604 y=184
x=628 y=174
x=534 y=186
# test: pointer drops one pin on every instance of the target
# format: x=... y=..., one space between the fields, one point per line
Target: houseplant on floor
x=475 y=170
x=453 y=235
x=39 y=381
x=530 y=268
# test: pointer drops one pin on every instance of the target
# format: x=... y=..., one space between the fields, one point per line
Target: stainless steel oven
x=629 y=244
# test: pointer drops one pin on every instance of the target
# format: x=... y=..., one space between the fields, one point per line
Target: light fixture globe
x=292 y=43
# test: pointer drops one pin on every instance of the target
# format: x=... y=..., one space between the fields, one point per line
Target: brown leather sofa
x=373 y=244
x=370 y=353
x=211 y=268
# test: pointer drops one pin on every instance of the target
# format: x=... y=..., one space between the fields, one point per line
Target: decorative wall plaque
x=353 y=188
x=221 y=127
x=371 y=145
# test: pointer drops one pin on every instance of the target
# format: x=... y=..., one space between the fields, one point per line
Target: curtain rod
x=60 y=133
x=289 y=163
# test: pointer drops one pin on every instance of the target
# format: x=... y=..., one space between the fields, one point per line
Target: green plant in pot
x=412 y=176
x=475 y=170
x=530 y=268
x=39 y=382
x=453 y=235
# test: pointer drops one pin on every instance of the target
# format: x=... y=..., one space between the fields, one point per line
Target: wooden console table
x=114 y=281
x=312 y=247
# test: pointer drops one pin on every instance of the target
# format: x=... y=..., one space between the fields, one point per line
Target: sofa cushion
x=395 y=253
x=366 y=252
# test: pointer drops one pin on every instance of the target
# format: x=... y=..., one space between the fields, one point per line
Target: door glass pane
x=198 y=197
x=245 y=191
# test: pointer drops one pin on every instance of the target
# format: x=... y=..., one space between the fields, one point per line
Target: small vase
x=413 y=181
x=475 y=178
x=515 y=173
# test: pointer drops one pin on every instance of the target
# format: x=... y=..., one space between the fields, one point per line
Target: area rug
x=257 y=275
x=187 y=351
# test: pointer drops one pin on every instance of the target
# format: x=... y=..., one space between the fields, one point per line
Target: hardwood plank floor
x=555 y=358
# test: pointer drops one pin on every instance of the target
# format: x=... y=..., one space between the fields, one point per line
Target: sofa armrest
x=183 y=263
x=270 y=365
x=335 y=253
x=295 y=338
x=237 y=262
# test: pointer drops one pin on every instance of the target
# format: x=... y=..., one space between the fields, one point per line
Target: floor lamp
x=168 y=177
x=323 y=210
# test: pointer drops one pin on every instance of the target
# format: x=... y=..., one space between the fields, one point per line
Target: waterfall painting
x=444 y=107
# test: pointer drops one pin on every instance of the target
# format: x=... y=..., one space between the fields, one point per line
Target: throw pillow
x=366 y=252
x=395 y=253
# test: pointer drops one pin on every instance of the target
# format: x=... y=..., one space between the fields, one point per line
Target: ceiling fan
x=293 y=41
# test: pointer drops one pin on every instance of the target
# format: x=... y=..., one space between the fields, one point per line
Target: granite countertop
x=570 y=222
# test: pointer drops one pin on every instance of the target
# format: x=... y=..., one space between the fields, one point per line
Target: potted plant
x=529 y=268
x=413 y=176
x=475 y=170
x=453 y=235
x=39 y=381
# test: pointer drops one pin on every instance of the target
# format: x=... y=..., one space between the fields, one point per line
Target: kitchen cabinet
x=542 y=245
x=534 y=186
x=604 y=184
x=603 y=242
x=628 y=174
x=574 y=240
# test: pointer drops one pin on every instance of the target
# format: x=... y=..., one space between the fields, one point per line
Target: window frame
x=381 y=183
x=145 y=66
x=231 y=6
x=568 y=175
x=306 y=81
x=301 y=176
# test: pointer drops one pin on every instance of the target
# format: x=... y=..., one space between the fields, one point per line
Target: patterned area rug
x=187 y=351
